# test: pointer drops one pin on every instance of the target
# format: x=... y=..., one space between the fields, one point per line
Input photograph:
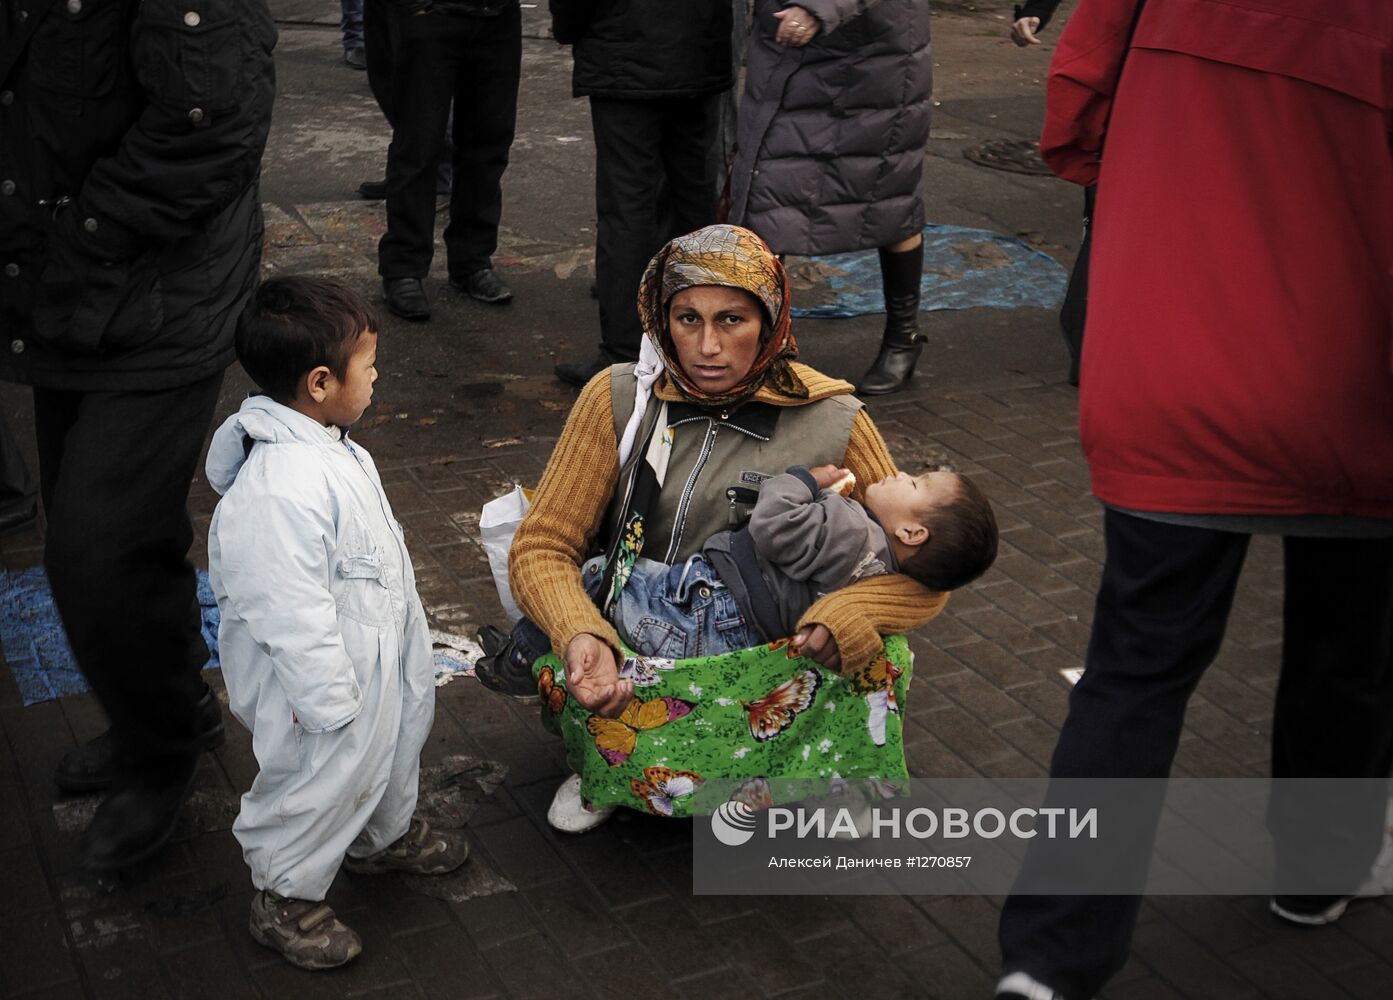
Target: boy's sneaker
x=307 y=934
x=569 y=813
x=419 y=851
x=1309 y=911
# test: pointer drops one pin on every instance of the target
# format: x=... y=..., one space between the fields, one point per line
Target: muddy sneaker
x=307 y=934
x=419 y=851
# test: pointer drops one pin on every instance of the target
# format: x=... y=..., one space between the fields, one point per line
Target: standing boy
x=323 y=639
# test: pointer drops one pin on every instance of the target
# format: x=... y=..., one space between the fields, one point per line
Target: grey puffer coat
x=832 y=135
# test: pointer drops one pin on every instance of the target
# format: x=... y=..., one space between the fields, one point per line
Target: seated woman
x=655 y=459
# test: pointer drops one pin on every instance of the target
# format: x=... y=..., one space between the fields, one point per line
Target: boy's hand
x=592 y=676
x=826 y=475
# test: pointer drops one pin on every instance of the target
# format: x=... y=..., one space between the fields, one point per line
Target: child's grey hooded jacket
x=799 y=544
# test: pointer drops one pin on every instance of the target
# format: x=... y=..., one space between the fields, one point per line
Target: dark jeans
x=17 y=490
x=1160 y=617
x=654 y=180
x=351 y=23
x=115 y=469
x=476 y=62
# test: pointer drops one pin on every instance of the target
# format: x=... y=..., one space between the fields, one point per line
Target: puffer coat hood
x=260 y=419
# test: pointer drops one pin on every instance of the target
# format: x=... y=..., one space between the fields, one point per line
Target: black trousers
x=1162 y=607
x=654 y=180
x=1073 y=313
x=17 y=491
x=477 y=63
x=114 y=470
x=379 y=48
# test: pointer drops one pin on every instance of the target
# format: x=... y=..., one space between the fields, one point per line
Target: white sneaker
x=569 y=813
x=1380 y=880
x=1286 y=907
x=1020 y=986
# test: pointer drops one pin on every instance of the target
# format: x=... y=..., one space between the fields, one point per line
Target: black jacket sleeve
x=570 y=19
x=1043 y=9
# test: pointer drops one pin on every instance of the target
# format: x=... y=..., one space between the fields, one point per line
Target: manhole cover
x=1019 y=156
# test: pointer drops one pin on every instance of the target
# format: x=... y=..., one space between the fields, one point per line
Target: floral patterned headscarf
x=731 y=257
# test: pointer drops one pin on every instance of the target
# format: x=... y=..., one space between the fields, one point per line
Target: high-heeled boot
x=900 y=274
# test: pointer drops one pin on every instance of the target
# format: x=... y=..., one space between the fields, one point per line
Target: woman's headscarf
x=727 y=256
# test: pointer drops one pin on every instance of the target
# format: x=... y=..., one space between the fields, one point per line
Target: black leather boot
x=900 y=274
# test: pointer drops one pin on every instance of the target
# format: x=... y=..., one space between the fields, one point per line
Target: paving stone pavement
x=612 y=913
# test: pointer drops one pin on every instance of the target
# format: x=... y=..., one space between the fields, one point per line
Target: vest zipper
x=680 y=519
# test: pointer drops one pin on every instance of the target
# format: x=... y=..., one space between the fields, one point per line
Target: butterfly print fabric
x=702 y=730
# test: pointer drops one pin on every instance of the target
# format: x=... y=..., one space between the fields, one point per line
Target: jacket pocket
x=86 y=306
x=362 y=593
x=658 y=638
x=190 y=55
x=78 y=49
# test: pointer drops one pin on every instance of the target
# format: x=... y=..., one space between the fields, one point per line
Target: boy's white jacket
x=310 y=570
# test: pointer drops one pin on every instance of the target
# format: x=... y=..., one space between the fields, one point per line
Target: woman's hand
x=592 y=676
x=796 y=27
x=816 y=643
x=1023 y=31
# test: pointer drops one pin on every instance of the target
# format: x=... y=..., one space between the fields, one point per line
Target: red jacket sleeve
x=1083 y=76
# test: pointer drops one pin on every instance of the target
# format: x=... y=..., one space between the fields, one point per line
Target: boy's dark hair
x=963 y=546
x=296 y=324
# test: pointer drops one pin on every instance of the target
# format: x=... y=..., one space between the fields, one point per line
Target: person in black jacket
x=468 y=51
x=654 y=74
x=130 y=239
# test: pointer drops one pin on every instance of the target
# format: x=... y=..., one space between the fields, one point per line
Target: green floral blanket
x=744 y=717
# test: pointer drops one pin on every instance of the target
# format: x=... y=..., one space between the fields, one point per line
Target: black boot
x=900 y=274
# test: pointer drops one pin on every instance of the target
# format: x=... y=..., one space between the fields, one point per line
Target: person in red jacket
x=1237 y=379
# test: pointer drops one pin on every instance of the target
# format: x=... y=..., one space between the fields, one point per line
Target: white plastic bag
x=498 y=522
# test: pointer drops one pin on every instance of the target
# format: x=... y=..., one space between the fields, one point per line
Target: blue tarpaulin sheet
x=963 y=269
x=36 y=647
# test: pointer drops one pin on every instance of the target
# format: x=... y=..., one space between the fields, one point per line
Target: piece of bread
x=845 y=485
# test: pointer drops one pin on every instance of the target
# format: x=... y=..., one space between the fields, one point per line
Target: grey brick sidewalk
x=611 y=914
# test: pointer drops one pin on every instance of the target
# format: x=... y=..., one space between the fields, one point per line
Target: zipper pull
x=740 y=495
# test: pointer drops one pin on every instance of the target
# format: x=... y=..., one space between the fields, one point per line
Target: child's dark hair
x=296 y=324
x=963 y=545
